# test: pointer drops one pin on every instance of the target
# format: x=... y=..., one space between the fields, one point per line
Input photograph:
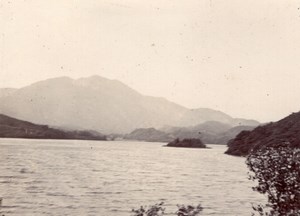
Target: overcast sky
x=240 y=57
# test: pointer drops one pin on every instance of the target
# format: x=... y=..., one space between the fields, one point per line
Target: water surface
x=53 y=177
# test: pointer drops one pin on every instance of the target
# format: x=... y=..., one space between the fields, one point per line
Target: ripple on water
x=48 y=177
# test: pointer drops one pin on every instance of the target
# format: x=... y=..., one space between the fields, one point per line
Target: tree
x=277 y=171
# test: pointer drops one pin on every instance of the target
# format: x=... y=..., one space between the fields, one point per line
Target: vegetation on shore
x=277 y=172
x=287 y=129
x=159 y=210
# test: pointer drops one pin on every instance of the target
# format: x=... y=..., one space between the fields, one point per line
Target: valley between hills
x=96 y=108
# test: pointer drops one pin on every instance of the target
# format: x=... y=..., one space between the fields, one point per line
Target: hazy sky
x=240 y=57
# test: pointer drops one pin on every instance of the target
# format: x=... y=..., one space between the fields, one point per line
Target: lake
x=109 y=178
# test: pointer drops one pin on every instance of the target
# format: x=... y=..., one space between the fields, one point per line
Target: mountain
x=97 y=103
x=202 y=115
x=92 y=103
x=209 y=132
x=149 y=135
x=224 y=137
x=15 y=128
x=6 y=91
x=272 y=134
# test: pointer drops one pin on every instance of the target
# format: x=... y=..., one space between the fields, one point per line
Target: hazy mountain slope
x=210 y=127
x=150 y=135
x=209 y=132
x=202 y=115
x=101 y=104
x=224 y=137
x=236 y=122
x=89 y=103
x=14 y=128
x=287 y=129
x=6 y=91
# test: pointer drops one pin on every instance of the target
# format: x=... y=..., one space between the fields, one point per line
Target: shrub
x=155 y=210
x=158 y=210
x=277 y=171
x=188 y=210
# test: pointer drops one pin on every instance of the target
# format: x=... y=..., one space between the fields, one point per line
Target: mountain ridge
x=271 y=134
x=16 y=128
x=98 y=103
x=208 y=132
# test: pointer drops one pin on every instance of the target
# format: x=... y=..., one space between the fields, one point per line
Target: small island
x=187 y=143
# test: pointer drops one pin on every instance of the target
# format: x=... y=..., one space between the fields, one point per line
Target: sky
x=239 y=57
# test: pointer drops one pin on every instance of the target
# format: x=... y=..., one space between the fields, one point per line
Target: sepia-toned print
x=149 y=108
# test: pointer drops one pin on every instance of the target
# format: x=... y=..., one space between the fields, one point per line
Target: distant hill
x=6 y=92
x=197 y=116
x=97 y=103
x=224 y=137
x=150 y=135
x=209 y=132
x=272 y=134
x=14 y=128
